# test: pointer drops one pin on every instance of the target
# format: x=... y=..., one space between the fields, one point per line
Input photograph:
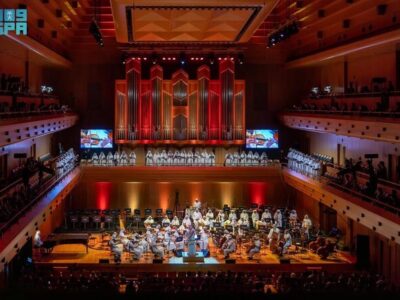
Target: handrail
x=346 y=112
x=44 y=190
x=374 y=201
x=18 y=180
x=17 y=114
x=328 y=181
x=354 y=95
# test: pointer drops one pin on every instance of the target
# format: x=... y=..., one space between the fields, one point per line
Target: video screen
x=262 y=139
x=96 y=138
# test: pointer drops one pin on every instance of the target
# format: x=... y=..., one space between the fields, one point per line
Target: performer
x=165 y=222
x=244 y=215
x=148 y=221
x=266 y=216
x=278 y=218
x=210 y=214
x=132 y=158
x=293 y=217
x=255 y=248
x=306 y=225
x=115 y=247
x=220 y=217
x=204 y=237
x=232 y=215
x=149 y=158
x=255 y=217
x=197 y=204
x=191 y=240
x=229 y=246
x=186 y=221
x=156 y=248
x=37 y=240
x=287 y=241
x=175 y=221
x=196 y=217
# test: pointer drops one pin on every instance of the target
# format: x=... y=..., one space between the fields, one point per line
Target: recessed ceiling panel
x=205 y=21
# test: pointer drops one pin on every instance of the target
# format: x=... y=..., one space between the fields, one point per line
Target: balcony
x=43 y=207
x=355 y=116
x=15 y=130
x=348 y=203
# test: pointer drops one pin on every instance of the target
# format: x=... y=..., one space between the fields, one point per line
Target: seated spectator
x=381 y=171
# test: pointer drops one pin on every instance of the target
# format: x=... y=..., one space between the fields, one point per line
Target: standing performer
x=278 y=218
x=191 y=240
x=306 y=225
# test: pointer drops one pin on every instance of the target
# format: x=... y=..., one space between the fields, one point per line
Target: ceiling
x=188 y=22
x=206 y=25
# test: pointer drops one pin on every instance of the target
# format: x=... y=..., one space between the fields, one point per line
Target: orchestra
x=253 y=230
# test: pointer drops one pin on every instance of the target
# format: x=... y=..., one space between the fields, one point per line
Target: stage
x=99 y=258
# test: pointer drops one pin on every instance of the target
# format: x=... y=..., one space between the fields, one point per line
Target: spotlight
x=211 y=58
x=182 y=59
x=154 y=58
x=241 y=58
x=94 y=30
x=282 y=33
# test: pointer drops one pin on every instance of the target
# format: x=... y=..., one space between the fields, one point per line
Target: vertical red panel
x=258 y=192
x=103 y=195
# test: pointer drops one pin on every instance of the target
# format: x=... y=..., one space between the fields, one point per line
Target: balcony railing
x=43 y=190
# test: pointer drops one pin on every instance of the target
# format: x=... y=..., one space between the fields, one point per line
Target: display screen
x=262 y=139
x=96 y=138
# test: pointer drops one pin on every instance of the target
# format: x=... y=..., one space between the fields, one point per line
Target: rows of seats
x=293 y=284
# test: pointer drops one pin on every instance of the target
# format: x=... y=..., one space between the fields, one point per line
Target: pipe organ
x=180 y=110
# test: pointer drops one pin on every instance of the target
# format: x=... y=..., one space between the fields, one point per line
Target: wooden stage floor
x=75 y=255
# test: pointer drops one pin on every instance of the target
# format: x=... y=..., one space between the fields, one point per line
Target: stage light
x=163 y=58
x=94 y=30
x=241 y=58
x=211 y=58
x=182 y=58
x=154 y=58
x=283 y=33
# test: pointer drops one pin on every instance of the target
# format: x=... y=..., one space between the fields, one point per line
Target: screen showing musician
x=96 y=138
x=262 y=139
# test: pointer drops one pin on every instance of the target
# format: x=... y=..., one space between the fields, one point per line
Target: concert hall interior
x=200 y=147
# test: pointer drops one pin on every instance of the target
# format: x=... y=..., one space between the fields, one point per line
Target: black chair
x=147 y=212
x=84 y=221
x=109 y=221
x=74 y=221
x=169 y=213
x=137 y=212
x=159 y=213
x=96 y=221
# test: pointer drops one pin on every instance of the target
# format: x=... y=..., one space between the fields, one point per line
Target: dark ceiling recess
x=381 y=9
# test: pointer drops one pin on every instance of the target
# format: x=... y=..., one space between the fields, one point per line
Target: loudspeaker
x=157 y=261
x=19 y=155
x=362 y=251
x=373 y=155
x=230 y=261
x=284 y=260
x=104 y=261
